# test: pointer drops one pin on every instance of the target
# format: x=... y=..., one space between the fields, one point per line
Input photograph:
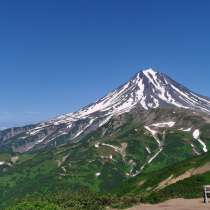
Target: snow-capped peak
x=149 y=71
x=148 y=89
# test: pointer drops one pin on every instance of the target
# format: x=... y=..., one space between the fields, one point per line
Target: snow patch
x=98 y=174
x=153 y=132
x=2 y=163
x=196 y=135
x=153 y=157
x=185 y=130
x=164 y=124
x=69 y=126
x=117 y=149
x=105 y=121
x=148 y=150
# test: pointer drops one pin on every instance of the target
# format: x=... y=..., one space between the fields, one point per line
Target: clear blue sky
x=56 y=56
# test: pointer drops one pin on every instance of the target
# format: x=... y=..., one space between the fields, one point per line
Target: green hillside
x=104 y=167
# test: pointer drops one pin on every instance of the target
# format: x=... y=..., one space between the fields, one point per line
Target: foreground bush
x=34 y=205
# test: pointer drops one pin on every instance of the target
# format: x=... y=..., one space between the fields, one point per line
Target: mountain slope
x=184 y=179
x=101 y=161
x=147 y=90
x=132 y=134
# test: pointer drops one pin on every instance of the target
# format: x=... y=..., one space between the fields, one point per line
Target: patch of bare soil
x=175 y=204
x=194 y=171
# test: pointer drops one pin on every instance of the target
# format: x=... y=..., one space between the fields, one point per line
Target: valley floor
x=175 y=204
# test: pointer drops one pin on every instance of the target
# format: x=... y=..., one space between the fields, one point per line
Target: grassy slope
x=135 y=190
x=145 y=183
x=47 y=172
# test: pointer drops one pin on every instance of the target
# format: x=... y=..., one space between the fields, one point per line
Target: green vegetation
x=66 y=194
x=91 y=175
x=144 y=185
x=34 y=205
